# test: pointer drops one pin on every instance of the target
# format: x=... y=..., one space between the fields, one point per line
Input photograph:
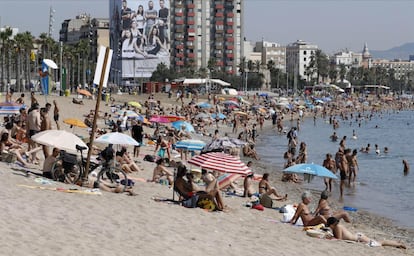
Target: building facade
x=298 y=57
x=403 y=69
x=207 y=32
x=271 y=51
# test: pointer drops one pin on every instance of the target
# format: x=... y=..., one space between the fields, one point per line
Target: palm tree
x=24 y=46
x=5 y=37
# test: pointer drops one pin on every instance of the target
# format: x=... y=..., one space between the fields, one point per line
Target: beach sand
x=39 y=221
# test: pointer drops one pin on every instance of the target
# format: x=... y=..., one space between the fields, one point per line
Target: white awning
x=189 y=81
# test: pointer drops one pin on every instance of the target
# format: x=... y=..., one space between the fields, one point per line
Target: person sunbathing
x=325 y=210
x=340 y=232
x=303 y=212
x=265 y=188
x=127 y=164
x=9 y=147
x=160 y=171
x=118 y=188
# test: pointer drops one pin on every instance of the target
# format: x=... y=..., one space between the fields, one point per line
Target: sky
x=333 y=25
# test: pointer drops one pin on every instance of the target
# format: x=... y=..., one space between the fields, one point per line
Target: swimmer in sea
x=377 y=150
x=385 y=150
x=334 y=137
x=354 y=137
x=406 y=167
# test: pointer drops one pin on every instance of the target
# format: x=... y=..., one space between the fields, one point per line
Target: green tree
x=5 y=37
x=333 y=73
x=23 y=47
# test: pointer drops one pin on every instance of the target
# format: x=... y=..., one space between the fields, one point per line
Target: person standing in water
x=406 y=167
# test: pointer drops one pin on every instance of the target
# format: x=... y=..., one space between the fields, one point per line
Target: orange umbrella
x=75 y=122
x=85 y=92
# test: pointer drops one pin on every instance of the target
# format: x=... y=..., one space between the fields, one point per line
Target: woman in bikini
x=265 y=188
x=340 y=232
x=303 y=212
x=325 y=210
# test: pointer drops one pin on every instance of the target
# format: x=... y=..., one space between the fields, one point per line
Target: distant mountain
x=399 y=52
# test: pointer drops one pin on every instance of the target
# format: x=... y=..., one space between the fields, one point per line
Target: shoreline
x=102 y=224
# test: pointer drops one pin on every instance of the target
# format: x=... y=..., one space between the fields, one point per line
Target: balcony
x=190 y=45
x=179 y=63
x=190 y=55
x=191 y=30
x=218 y=55
x=218 y=46
x=179 y=55
x=230 y=15
x=179 y=4
x=230 y=55
x=179 y=22
x=219 y=22
x=229 y=46
x=191 y=38
x=229 y=23
x=219 y=6
x=179 y=46
x=179 y=37
x=179 y=29
x=179 y=14
x=219 y=14
x=190 y=14
x=220 y=63
x=190 y=6
x=230 y=39
x=190 y=22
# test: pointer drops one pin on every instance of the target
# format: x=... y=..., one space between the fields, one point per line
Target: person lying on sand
x=304 y=212
x=118 y=188
x=75 y=101
x=325 y=210
x=340 y=232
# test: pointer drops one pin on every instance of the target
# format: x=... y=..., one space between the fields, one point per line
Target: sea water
x=380 y=187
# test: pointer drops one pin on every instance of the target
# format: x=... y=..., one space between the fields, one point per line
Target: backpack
x=149 y=158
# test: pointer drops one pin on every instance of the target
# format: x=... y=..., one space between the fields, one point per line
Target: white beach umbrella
x=60 y=139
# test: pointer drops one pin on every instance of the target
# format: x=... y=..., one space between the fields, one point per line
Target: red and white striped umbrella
x=221 y=162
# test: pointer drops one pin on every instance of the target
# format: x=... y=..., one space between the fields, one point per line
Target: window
x=304 y=59
x=304 y=52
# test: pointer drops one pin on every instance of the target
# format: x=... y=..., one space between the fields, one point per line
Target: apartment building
x=207 y=30
x=298 y=57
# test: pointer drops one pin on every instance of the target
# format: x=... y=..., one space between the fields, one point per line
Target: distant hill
x=399 y=52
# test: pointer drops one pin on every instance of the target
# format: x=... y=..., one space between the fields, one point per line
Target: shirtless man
x=340 y=232
x=160 y=170
x=248 y=186
x=329 y=163
x=353 y=166
x=304 y=212
x=342 y=166
x=265 y=188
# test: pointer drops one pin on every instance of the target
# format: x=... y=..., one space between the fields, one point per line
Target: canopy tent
x=198 y=81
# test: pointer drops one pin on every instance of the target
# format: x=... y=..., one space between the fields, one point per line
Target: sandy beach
x=37 y=219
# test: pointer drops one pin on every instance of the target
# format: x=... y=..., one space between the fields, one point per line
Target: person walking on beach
x=56 y=114
x=329 y=163
x=342 y=166
x=353 y=166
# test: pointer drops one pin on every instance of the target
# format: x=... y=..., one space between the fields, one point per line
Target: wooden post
x=98 y=102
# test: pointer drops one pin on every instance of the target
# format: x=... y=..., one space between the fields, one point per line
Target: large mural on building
x=139 y=36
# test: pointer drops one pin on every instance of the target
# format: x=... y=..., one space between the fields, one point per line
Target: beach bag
x=206 y=204
x=8 y=157
x=191 y=202
x=266 y=201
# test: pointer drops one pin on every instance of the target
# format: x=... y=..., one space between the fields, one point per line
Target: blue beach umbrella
x=204 y=105
x=219 y=115
x=180 y=124
x=231 y=103
x=310 y=169
x=190 y=145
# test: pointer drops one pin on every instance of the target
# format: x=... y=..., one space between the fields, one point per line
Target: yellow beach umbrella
x=134 y=104
x=75 y=122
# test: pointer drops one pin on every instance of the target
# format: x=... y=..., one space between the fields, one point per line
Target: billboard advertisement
x=140 y=36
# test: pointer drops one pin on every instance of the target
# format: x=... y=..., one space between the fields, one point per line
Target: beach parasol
x=143 y=119
x=75 y=122
x=190 y=145
x=134 y=104
x=202 y=116
x=50 y=63
x=84 y=92
x=240 y=113
x=159 y=119
x=219 y=116
x=310 y=169
x=60 y=139
x=224 y=142
x=130 y=113
x=226 y=179
x=183 y=124
x=117 y=138
x=204 y=105
x=10 y=108
x=173 y=118
x=221 y=162
x=231 y=103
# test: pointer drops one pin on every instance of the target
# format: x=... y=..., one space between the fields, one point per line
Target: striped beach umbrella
x=221 y=162
x=10 y=108
x=190 y=145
